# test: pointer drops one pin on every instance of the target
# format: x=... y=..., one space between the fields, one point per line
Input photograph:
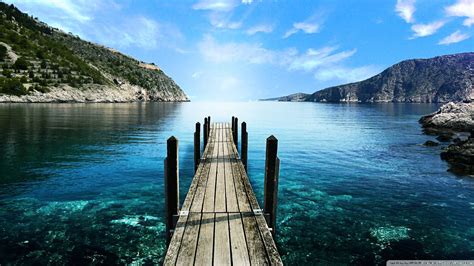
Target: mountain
x=439 y=79
x=295 y=97
x=44 y=64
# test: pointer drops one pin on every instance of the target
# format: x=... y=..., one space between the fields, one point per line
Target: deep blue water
x=84 y=182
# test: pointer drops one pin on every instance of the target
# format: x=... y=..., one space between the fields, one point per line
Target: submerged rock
x=460 y=156
x=431 y=143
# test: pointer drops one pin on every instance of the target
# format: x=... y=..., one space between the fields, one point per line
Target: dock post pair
x=197 y=140
x=235 y=130
x=243 y=141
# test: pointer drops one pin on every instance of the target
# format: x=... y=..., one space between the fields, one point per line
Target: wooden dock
x=220 y=222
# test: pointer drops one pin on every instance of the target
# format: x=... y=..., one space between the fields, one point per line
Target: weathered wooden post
x=205 y=132
x=236 y=132
x=232 y=125
x=244 y=145
x=208 y=126
x=171 y=186
x=197 y=146
x=272 y=172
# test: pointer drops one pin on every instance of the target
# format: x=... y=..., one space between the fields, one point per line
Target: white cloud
x=309 y=26
x=259 y=28
x=222 y=21
x=326 y=63
x=72 y=9
x=406 y=9
x=139 y=32
x=220 y=12
x=462 y=8
x=314 y=58
x=234 y=52
x=423 y=30
x=454 y=37
x=346 y=74
x=216 y=5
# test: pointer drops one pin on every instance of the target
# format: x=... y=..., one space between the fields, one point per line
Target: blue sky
x=250 y=49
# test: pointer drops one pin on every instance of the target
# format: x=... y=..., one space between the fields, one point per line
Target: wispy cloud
x=320 y=61
x=423 y=30
x=74 y=10
x=216 y=5
x=223 y=21
x=454 y=37
x=346 y=74
x=235 y=52
x=315 y=58
x=406 y=9
x=85 y=18
x=462 y=8
x=141 y=32
x=220 y=12
x=310 y=25
x=264 y=28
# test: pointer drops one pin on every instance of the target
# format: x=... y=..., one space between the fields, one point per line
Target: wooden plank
x=187 y=249
x=231 y=195
x=267 y=238
x=242 y=199
x=198 y=200
x=173 y=249
x=209 y=197
x=222 y=255
x=206 y=240
x=194 y=184
x=220 y=203
x=256 y=247
x=240 y=255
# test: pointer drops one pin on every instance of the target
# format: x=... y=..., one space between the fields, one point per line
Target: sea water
x=84 y=182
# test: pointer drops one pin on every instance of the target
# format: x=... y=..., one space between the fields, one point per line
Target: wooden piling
x=232 y=126
x=272 y=171
x=244 y=145
x=205 y=132
x=208 y=126
x=236 y=132
x=197 y=146
x=171 y=186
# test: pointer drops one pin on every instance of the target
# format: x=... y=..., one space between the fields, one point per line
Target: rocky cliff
x=39 y=63
x=439 y=79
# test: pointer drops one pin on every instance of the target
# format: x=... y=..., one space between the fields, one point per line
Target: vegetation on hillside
x=38 y=60
x=34 y=56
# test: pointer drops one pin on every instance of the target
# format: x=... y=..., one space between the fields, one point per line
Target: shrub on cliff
x=12 y=86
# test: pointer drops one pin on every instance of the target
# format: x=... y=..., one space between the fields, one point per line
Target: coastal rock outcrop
x=451 y=116
x=460 y=156
x=449 y=120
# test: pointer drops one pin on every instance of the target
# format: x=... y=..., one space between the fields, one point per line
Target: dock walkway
x=221 y=222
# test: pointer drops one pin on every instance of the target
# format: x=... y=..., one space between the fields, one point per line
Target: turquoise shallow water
x=84 y=182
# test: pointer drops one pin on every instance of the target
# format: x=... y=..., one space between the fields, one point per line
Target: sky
x=240 y=50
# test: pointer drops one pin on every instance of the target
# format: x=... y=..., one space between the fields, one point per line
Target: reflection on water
x=84 y=181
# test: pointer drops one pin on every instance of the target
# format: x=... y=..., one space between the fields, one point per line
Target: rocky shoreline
x=453 y=122
x=96 y=94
